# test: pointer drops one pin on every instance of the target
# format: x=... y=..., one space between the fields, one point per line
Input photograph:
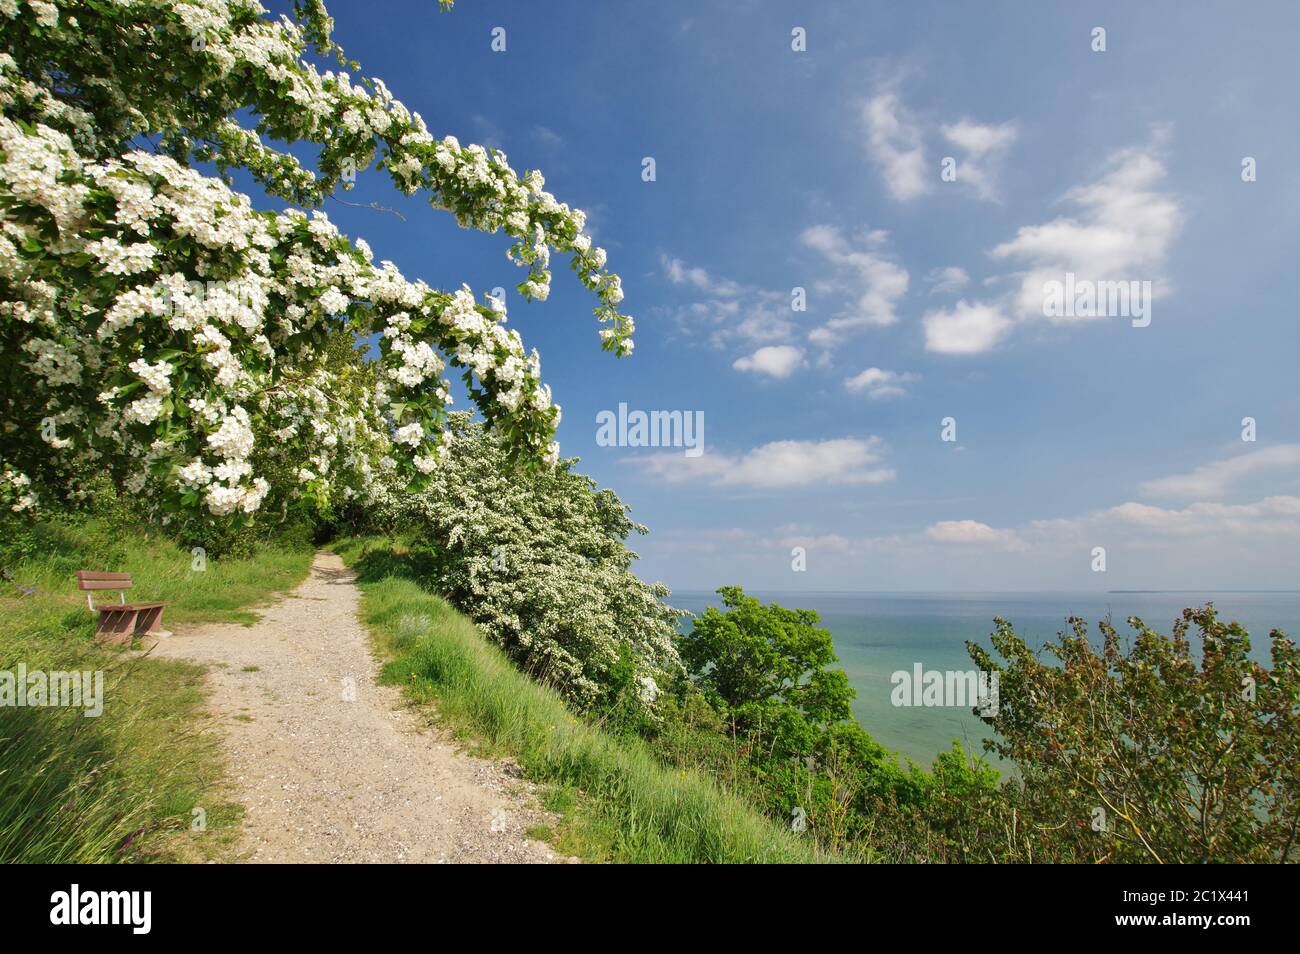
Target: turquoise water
x=876 y=634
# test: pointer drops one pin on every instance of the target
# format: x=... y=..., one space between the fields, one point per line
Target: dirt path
x=332 y=767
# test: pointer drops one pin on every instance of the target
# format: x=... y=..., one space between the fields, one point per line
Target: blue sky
x=821 y=169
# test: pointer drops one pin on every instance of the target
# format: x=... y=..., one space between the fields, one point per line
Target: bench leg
x=148 y=620
x=115 y=626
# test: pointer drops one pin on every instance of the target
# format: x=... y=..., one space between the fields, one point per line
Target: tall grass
x=623 y=803
x=123 y=786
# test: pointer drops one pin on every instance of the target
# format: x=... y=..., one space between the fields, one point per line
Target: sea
x=878 y=634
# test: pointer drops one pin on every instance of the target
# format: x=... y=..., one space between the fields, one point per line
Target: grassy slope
x=620 y=802
x=120 y=787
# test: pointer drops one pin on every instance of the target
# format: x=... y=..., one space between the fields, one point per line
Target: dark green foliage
x=787 y=734
x=1153 y=754
x=764 y=669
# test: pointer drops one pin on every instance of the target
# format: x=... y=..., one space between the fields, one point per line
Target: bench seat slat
x=97 y=576
x=127 y=607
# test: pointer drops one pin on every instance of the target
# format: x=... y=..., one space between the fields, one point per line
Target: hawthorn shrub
x=539 y=559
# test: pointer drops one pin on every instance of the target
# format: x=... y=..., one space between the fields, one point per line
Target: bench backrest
x=90 y=580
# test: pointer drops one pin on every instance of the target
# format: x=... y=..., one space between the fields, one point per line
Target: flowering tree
x=156 y=327
x=540 y=561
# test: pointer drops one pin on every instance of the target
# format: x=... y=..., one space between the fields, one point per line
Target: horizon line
x=997 y=592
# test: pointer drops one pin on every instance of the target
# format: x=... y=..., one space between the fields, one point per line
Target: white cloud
x=964 y=328
x=878 y=383
x=1272 y=516
x=945 y=281
x=863 y=275
x=765 y=319
x=1123 y=231
x=1202 y=545
x=1216 y=478
x=974 y=533
x=1210 y=545
x=984 y=147
x=547 y=137
x=877 y=282
x=1136 y=524
x=819 y=542
x=679 y=273
x=487 y=132
x=896 y=138
x=778 y=464
x=777 y=361
x=979 y=139
x=895 y=143
x=728 y=311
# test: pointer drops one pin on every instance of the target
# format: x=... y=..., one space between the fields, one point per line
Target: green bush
x=1150 y=754
x=782 y=724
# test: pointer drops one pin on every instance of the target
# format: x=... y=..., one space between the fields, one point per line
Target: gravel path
x=334 y=768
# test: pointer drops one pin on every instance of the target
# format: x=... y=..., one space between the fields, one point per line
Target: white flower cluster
x=155 y=376
x=118 y=259
x=567 y=568
x=15 y=490
x=53 y=362
x=31 y=169
x=193 y=365
x=224 y=486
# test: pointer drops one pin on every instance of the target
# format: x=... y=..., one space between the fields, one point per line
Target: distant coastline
x=1203 y=591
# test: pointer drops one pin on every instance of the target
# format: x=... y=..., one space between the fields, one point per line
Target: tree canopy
x=157 y=327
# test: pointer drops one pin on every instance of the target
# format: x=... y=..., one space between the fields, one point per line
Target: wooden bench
x=119 y=622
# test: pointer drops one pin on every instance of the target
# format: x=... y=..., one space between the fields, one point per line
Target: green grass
x=224 y=591
x=123 y=786
x=618 y=800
